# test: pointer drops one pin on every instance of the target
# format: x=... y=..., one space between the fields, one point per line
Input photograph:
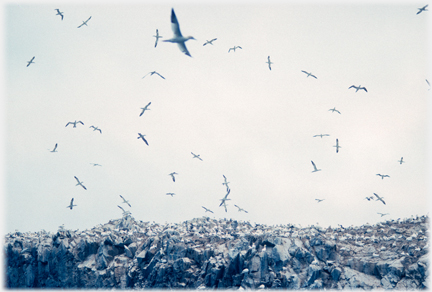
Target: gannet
x=207 y=210
x=54 y=150
x=157 y=36
x=178 y=37
x=379 y=198
x=234 y=48
x=382 y=214
x=225 y=206
x=225 y=182
x=315 y=169
x=401 y=161
x=319 y=200
x=383 y=175
x=84 y=22
x=422 y=9
x=209 y=42
x=240 y=209
x=141 y=136
x=170 y=194
x=358 y=88
x=309 y=74
x=172 y=175
x=124 y=201
x=196 y=156
x=268 y=62
x=337 y=146
x=74 y=123
x=71 y=204
x=153 y=72
x=321 y=135
x=80 y=183
x=96 y=129
x=124 y=212
x=95 y=164
x=225 y=198
x=59 y=13
x=334 y=110
x=31 y=61
x=145 y=109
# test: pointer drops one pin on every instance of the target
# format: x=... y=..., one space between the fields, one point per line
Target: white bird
x=337 y=146
x=224 y=205
x=84 y=22
x=207 y=210
x=225 y=198
x=196 y=156
x=124 y=201
x=209 y=42
x=309 y=74
x=141 y=136
x=383 y=175
x=157 y=36
x=240 y=209
x=124 y=212
x=379 y=198
x=59 y=13
x=368 y=198
x=80 y=183
x=170 y=194
x=74 y=123
x=382 y=214
x=54 y=150
x=96 y=129
x=334 y=110
x=358 y=88
x=172 y=175
x=422 y=9
x=178 y=37
x=153 y=72
x=31 y=61
x=268 y=62
x=71 y=204
x=401 y=161
x=319 y=200
x=225 y=182
x=321 y=135
x=234 y=48
x=315 y=168
x=95 y=164
x=145 y=109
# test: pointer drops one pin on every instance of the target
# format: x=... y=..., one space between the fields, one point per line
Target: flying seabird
x=379 y=198
x=321 y=135
x=383 y=175
x=309 y=74
x=157 y=36
x=225 y=182
x=124 y=211
x=401 y=161
x=315 y=169
x=358 y=88
x=95 y=164
x=234 y=48
x=422 y=9
x=178 y=37
x=209 y=42
x=196 y=156
x=170 y=194
x=172 y=175
x=59 y=13
x=334 y=110
x=337 y=146
x=153 y=72
x=145 y=109
x=96 y=129
x=268 y=62
x=80 y=183
x=225 y=198
x=207 y=210
x=74 y=123
x=240 y=209
x=31 y=61
x=319 y=200
x=225 y=206
x=141 y=136
x=84 y=22
x=124 y=201
x=71 y=204
x=369 y=198
x=54 y=150
x=382 y=214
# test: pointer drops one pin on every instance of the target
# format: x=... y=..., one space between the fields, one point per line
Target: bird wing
x=145 y=140
x=213 y=40
x=364 y=88
x=313 y=165
x=161 y=75
x=55 y=147
x=77 y=179
x=88 y=19
x=305 y=72
x=239 y=47
x=71 y=202
x=314 y=76
x=182 y=47
x=230 y=50
x=175 y=25
x=121 y=208
x=352 y=86
x=81 y=122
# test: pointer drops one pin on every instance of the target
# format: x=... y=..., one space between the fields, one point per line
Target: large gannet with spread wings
x=71 y=204
x=125 y=201
x=178 y=37
x=80 y=183
x=315 y=168
x=379 y=198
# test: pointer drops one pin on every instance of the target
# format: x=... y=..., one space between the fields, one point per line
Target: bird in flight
x=422 y=9
x=225 y=182
x=207 y=210
x=141 y=136
x=382 y=214
x=96 y=129
x=157 y=36
x=315 y=168
x=358 y=88
x=124 y=201
x=401 y=161
x=31 y=61
x=80 y=183
x=71 y=204
x=337 y=146
x=234 y=48
x=196 y=156
x=145 y=109
x=225 y=198
x=334 y=110
x=124 y=211
x=153 y=72
x=225 y=206
x=379 y=198
x=368 y=198
x=59 y=13
x=321 y=135
x=178 y=37
x=95 y=164
x=84 y=22
x=268 y=62
x=172 y=175
x=383 y=175
x=209 y=42
x=74 y=123
x=309 y=74
x=240 y=209
x=170 y=194
x=319 y=200
x=54 y=150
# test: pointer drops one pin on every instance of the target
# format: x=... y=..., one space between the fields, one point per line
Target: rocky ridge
x=206 y=253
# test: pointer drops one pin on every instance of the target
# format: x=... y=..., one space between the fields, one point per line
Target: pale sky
x=249 y=123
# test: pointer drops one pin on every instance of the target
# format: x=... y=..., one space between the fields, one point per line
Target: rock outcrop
x=205 y=253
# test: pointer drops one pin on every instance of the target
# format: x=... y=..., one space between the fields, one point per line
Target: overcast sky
x=249 y=123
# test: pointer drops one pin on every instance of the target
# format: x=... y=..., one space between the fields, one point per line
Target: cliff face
x=207 y=253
